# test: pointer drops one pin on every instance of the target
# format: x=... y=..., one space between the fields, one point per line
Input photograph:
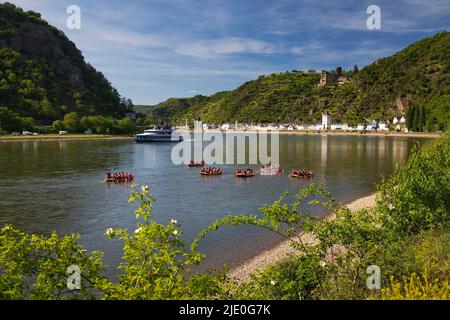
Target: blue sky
x=156 y=49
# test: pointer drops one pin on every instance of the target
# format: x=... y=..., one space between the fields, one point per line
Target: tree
x=126 y=125
x=421 y=119
x=58 y=125
x=72 y=122
x=355 y=68
x=415 y=120
x=9 y=121
x=409 y=118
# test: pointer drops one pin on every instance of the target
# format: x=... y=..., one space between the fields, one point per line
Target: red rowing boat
x=196 y=164
x=244 y=173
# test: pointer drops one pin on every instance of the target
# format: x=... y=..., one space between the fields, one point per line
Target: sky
x=152 y=50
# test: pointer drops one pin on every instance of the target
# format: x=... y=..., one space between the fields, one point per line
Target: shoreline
x=80 y=137
x=43 y=138
x=329 y=133
x=282 y=250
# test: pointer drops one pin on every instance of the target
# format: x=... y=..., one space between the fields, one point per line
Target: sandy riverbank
x=282 y=250
x=55 y=137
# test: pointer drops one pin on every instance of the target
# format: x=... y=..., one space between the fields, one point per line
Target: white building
x=198 y=125
x=326 y=121
x=395 y=120
x=360 y=127
x=402 y=120
x=337 y=126
x=382 y=126
x=226 y=126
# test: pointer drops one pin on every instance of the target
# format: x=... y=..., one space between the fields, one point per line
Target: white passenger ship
x=164 y=134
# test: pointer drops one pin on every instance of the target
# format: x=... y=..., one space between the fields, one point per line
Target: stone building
x=327 y=77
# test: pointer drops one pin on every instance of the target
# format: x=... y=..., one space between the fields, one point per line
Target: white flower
x=144 y=188
x=109 y=232
x=137 y=230
x=175 y=232
x=322 y=263
x=273 y=282
x=173 y=221
x=391 y=206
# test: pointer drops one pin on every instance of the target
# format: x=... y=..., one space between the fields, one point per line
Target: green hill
x=416 y=77
x=44 y=76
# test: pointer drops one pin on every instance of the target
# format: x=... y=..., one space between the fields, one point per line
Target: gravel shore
x=242 y=271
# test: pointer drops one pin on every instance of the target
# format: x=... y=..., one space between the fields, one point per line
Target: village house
x=383 y=126
x=337 y=127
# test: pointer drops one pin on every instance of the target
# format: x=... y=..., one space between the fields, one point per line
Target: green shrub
x=417 y=196
x=416 y=287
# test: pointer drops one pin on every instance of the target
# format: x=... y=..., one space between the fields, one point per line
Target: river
x=57 y=185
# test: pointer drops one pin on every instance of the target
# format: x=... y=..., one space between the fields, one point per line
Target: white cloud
x=296 y=50
x=225 y=46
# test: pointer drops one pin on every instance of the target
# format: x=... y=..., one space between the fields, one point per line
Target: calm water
x=46 y=186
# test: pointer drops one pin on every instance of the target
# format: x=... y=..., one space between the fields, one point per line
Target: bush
x=416 y=287
x=417 y=196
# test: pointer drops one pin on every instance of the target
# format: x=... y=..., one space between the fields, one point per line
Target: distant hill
x=417 y=75
x=43 y=75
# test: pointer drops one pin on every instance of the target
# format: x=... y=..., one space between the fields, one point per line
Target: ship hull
x=157 y=139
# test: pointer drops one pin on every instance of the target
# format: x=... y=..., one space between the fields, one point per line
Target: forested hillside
x=44 y=76
x=418 y=76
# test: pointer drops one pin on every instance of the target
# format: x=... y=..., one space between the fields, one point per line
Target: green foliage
x=35 y=267
x=72 y=122
x=416 y=287
x=154 y=258
x=296 y=278
x=417 y=196
x=108 y=125
x=11 y=122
